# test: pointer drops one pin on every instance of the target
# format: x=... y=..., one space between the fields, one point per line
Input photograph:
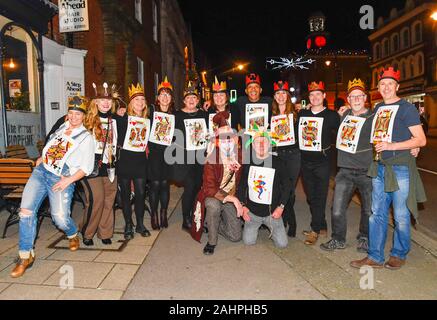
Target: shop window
x=21 y=75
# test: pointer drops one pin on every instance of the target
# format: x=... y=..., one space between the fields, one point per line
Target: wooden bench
x=14 y=174
x=16 y=152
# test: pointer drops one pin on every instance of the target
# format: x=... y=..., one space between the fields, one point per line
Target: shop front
x=22 y=116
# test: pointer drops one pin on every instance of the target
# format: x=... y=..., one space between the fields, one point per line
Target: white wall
x=62 y=65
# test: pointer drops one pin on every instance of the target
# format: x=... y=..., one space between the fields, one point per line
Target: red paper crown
x=390 y=73
x=281 y=86
x=253 y=78
x=314 y=86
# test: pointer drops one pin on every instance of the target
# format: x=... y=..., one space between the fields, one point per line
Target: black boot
x=186 y=224
x=129 y=231
x=164 y=220
x=154 y=220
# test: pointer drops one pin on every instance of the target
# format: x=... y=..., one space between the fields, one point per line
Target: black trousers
x=192 y=182
x=140 y=198
x=291 y=160
x=315 y=177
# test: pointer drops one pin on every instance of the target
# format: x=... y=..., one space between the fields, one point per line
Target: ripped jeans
x=38 y=187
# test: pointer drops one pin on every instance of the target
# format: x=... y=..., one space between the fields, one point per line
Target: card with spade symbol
x=310 y=133
x=349 y=134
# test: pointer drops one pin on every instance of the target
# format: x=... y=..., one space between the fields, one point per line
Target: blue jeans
x=378 y=222
x=37 y=189
x=276 y=226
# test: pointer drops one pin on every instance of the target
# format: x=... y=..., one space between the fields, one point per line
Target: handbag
x=98 y=161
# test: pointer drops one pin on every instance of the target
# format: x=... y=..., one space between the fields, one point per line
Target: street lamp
x=328 y=63
x=240 y=67
x=434 y=16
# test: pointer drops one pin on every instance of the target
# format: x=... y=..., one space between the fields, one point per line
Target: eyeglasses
x=359 y=97
x=165 y=94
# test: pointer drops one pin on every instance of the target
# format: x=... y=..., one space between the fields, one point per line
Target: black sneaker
x=143 y=232
x=107 y=242
x=208 y=250
x=88 y=242
x=363 y=245
x=332 y=245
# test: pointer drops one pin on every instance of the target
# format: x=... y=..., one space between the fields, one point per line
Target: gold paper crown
x=165 y=85
x=190 y=90
x=135 y=91
x=78 y=103
x=356 y=84
x=219 y=87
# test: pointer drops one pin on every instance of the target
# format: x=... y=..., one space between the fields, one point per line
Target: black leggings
x=159 y=193
x=191 y=184
x=140 y=198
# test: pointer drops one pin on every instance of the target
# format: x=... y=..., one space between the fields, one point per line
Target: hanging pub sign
x=73 y=15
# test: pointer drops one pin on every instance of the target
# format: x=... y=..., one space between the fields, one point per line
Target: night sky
x=249 y=31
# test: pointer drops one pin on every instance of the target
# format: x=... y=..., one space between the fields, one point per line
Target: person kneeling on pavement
x=216 y=203
x=264 y=190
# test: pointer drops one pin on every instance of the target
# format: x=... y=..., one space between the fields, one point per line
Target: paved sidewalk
x=177 y=269
x=99 y=274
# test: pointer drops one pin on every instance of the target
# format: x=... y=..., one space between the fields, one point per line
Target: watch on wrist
x=282 y=206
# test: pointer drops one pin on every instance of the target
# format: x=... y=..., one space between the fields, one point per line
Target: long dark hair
x=171 y=107
x=289 y=108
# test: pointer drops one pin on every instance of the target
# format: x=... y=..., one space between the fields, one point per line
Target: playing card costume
x=264 y=186
x=69 y=154
x=221 y=87
x=353 y=161
x=161 y=137
x=220 y=179
x=315 y=139
x=192 y=144
x=133 y=136
x=284 y=126
x=258 y=111
x=395 y=179
x=101 y=186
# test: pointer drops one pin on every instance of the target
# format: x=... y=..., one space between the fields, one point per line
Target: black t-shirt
x=241 y=106
x=282 y=185
x=364 y=155
x=331 y=122
x=180 y=141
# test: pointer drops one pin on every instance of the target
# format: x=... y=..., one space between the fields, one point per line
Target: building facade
x=407 y=40
x=176 y=42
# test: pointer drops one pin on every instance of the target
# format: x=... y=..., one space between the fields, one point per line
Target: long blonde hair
x=92 y=119
x=131 y=112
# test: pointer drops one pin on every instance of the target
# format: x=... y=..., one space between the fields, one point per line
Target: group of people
x=233 y=184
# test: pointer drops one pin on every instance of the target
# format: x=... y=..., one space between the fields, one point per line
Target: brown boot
x=21 y=266
x=394 y=263
x=154 y=221
x=358 y=264
x=164 y=220
x=74 y=243
x=323 y=233
x=311 y=238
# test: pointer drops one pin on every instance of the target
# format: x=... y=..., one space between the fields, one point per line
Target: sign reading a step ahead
x=73 y=15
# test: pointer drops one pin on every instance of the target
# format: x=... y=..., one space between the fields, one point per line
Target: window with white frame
x=377 y=51
x=155 y=21
x=140 y=72
x=138 y=11
x=417 y=32
x=395 y=43
x=385 y=48
x=405 y=34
